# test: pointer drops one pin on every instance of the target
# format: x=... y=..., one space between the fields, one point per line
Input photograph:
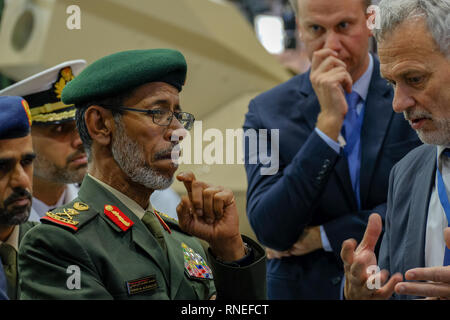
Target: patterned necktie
x=9 y=260
x=447 y=250
x=352 y=134
x=152 y=224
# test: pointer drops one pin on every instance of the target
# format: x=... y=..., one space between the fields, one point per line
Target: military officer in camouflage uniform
x=16 y=175
x=109 y=243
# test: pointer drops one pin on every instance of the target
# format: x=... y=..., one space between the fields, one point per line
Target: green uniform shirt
x=13 y=292
x=86 y=244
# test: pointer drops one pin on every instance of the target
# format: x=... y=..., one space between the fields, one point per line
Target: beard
x=440 y=136
x=129 y=156
x=15 y=215
x=46 y=169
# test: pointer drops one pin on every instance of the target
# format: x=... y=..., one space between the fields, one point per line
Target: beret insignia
x=27 y=111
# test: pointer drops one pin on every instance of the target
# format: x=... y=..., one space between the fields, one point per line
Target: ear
x=99 y=123
x=371 y=20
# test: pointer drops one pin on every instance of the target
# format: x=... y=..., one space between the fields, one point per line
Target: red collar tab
x=118 y=217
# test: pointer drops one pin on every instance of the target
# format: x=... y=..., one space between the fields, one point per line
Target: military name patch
x=194 y=264
x=142 y=285
x=118 y=217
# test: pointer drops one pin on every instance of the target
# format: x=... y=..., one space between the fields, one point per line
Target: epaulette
x=70 y=216
x=173 y=223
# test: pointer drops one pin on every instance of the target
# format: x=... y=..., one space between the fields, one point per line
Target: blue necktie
x=445 y=205
x=352 y=134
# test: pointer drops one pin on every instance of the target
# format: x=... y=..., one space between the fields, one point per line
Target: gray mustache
x=414 y=114
x=163 y=154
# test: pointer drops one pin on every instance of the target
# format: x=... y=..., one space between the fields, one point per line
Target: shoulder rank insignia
x=163 y=215
x=194 y=264
x=118 y=217
x=64 y=218
x=80 y=206
x=164 y=225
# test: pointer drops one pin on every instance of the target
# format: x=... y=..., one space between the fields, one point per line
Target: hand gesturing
x=209 y=213
x=357 y=262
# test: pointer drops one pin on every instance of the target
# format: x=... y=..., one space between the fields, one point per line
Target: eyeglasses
x=163 y=117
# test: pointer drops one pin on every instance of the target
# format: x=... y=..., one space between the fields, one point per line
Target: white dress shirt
x=39 y=208
x=437 y=220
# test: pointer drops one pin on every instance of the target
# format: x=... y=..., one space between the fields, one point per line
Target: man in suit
x=324 y=191
x=111 y=241
x=415 y=58
x=16 y=172
x=61 y=162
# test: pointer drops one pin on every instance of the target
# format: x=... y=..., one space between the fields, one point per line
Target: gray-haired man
x=414 y=50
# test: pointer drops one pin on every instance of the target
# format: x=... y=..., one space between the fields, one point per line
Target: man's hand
x=438 y=280
x=309 y=241
x=330 y=78
x=210 y=213
x=357 y=263
x=274 y=254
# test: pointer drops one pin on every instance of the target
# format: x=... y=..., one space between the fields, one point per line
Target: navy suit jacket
x=313 y=186
x=410 y=186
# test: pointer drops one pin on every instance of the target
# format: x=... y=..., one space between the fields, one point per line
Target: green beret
x=124 y=71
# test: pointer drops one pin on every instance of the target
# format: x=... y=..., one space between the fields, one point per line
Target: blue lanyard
x=445 y=205
x=443 y=194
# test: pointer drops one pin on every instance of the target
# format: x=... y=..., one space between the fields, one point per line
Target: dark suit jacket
x=313 y=186
x=410 y=186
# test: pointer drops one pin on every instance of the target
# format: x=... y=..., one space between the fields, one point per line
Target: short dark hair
x=110 y=103
x=294 y=5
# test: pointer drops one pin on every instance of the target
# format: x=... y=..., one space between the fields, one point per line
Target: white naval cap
x=43 y=90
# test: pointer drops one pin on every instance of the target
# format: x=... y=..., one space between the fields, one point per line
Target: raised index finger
x=373 y=231
x=187 y=178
